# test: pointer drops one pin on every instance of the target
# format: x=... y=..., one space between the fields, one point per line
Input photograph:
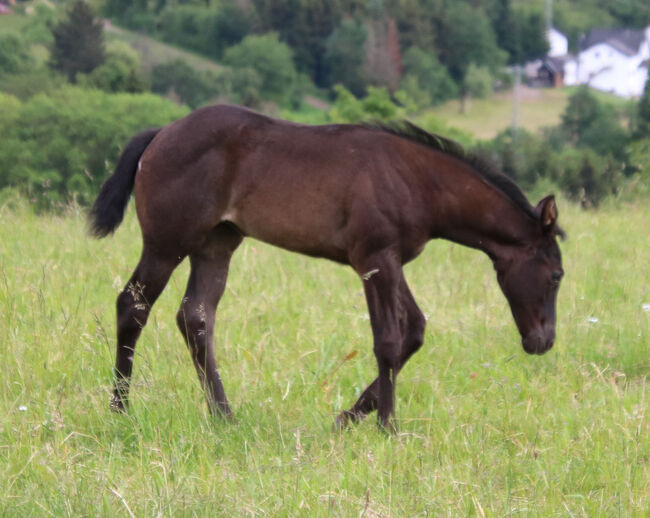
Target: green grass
x=485 y=118
x=485 y=430
x=539 y=108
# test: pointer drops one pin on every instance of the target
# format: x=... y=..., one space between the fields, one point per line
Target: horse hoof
x=346 y=419
x=117 y=405
x=388 y=427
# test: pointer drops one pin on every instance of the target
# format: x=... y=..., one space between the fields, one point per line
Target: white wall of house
x=557 y=42
x=606 y=68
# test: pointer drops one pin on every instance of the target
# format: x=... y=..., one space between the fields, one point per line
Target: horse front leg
x=412 y=325
x=381 y=274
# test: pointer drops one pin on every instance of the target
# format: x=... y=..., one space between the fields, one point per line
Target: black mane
x=480 y=164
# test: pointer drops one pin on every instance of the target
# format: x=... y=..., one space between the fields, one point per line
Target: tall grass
x=485 y=430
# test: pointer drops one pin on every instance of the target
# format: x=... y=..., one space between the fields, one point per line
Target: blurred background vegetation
x=77 y=79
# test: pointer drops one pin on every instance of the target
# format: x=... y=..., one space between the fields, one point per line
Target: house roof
x=556 y=63
x=626 y=41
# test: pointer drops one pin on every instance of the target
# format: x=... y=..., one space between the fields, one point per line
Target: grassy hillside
x=155 y=52
x=539 y=108
x=485 y=430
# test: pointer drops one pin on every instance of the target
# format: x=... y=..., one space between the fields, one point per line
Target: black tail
x=108 y=210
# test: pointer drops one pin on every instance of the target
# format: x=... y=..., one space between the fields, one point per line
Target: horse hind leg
x=133 y=307
x=196 y=316
x=412 y=325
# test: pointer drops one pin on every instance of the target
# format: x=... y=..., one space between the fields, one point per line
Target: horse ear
x=547 y=211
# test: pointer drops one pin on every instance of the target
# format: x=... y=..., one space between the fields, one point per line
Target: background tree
x=383 y=63
x=581 y=113
x=465 y=37
x=78 y=42
x=231 y=25
x=271 y=59
x=14 y=54
x=344 y=56
x=424 y=73
x=304 y=25
x=478 y=82
x=178 y=80
x=120 y=72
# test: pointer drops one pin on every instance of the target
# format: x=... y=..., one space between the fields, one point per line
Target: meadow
x=484 y=429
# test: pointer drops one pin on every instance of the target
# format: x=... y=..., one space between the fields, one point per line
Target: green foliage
x=521 y=33
x=304 y=25
x=62 y=146
x=193 y=87
x=642 y=129
x=467 y=37
x=344 y=56
x=38 y=25
x=272 y=60
x=478 y=82
x=120 y=72
x=231 y=24
x=585 y=156
x=27 y=83
x=638 y=183
x=580 y=114
x=589 y=123
x=417 y=22
x=188 y=26
x=377 y=105
x=588 y=177
x=425 y=78
x=14 y=54
x=78 y=42
x=245 y=86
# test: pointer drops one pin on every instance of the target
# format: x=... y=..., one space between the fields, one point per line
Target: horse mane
x=483 y=166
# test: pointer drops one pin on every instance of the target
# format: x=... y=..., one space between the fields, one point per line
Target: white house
x=611 y=60
x=557 y=42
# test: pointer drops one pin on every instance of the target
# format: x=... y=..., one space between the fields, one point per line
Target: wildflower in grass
x=646 y=307
x=592 y=320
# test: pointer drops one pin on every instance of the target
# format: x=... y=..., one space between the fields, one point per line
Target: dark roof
x=480 y=164
x=626 y=41
x=556 y=63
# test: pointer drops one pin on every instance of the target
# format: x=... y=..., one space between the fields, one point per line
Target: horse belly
x=308 y=228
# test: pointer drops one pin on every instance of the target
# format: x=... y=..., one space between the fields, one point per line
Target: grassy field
x=485 y=430
x=539 y=108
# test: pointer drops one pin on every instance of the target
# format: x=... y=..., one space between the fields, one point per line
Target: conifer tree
x=78 y=42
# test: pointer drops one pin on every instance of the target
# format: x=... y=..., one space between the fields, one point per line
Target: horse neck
x=477 y=214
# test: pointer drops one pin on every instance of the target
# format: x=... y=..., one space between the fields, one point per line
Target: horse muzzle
x=538 y=341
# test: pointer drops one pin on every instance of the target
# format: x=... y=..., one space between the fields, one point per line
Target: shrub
x=59 y=147
x=272 y=60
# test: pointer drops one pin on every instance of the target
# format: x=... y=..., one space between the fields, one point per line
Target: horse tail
x=108 y=210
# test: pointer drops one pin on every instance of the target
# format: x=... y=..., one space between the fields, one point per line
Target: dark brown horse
x=367 y=196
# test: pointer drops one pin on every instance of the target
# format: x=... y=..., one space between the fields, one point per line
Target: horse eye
x=556 y=277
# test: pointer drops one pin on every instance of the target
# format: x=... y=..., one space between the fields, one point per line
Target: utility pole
x=549 y=14
x=516 y=101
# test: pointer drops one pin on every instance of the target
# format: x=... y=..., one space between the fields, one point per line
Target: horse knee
x=387 y=349
x=415 y=334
